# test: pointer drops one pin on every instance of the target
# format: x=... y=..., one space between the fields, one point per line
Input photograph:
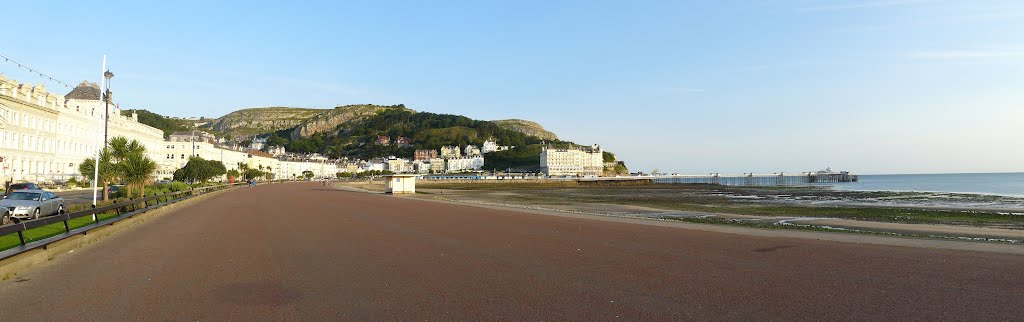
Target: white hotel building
x=44 y=136
x=572 y=162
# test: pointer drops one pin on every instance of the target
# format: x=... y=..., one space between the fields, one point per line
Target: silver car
x=32 y=204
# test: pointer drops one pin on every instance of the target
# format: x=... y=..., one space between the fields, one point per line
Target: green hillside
x=427 y=131
x=351 y=131
x=166 y=124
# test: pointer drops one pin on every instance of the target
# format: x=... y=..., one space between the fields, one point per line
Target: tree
x=253 y=173
x=131 y=163
x=136 y=168
x=608 y=156
x=107 y=171
x=233 y=174
x=307 y=174
x=199 y=170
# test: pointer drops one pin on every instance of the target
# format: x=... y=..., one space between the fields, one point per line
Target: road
x=74 y=197
x=299 y=251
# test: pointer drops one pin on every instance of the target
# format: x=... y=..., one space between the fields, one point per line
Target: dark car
x=20 y=186
x=113 y=189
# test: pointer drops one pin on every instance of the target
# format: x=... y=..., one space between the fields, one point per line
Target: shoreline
x=602 y=202
x=930 y=191
x=847 y=237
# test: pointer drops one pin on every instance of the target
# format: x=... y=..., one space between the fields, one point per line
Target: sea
x=1004 y=184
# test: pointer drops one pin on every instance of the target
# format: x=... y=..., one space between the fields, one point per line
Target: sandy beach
x=608 y=203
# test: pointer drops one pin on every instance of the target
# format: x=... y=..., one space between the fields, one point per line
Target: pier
x=753 y=179
x=745 y=179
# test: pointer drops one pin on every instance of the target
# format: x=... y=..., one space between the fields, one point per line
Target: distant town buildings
x=450 y=152
x=44 y=137
x=398 y=140
x=258 y=143
x=436 y=165
x=467 y=163
x=573 y=161
x=276 y=150
x=424 y=155
x=403 y=141
x=492 y=146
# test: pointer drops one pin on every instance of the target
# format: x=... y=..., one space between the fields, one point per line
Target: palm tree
x=133 y=165
x=119 y=148
x=108 y=171
x=136 y=168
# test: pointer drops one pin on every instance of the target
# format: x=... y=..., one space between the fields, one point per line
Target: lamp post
x=106 y=98
x=96 y=164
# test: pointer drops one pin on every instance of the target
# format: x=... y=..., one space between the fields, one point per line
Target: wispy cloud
x=852 y=5
x=965 y=54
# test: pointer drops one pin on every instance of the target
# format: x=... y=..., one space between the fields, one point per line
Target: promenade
x=300 y=251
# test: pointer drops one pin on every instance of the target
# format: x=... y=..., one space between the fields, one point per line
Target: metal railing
x=122 y=210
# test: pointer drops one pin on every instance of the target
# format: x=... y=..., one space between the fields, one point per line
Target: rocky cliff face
x=246 y=122
x=526 y=127
x=329 y=120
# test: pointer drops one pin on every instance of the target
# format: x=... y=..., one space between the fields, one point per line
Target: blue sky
x=876 y=86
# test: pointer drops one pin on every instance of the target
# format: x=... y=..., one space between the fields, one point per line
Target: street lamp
x=106 y=98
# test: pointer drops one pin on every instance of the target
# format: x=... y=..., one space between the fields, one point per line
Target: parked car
x=21 y=186
x=5 y=216
x=32 y=204
x=113 y=189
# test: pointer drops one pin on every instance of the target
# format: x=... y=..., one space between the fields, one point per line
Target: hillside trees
x=165 y=124
x=427 y=131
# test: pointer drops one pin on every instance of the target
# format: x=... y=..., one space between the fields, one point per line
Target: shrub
x=176 y=186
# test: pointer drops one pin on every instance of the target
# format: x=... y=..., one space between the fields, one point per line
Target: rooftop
x=85 y=91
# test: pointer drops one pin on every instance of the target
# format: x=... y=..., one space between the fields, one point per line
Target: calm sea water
x=1007 y=184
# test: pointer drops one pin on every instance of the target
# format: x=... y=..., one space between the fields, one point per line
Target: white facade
x=276 y=150
x=491 y=146
x=475 y=162
x=373 y=165
x=398 y=165
x=295 y=169
x=437 y=165
x=576 y=161
x=419 y=166
x=44 y=137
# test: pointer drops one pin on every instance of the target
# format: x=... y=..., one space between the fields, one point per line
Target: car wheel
x=35 y=215
x=60 y=210
x=6 y=220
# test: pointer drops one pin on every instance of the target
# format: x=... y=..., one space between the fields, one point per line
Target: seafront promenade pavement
x=302 y=251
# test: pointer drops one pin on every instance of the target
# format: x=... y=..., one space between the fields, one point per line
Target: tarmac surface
x=301 y=251
x=82 y=196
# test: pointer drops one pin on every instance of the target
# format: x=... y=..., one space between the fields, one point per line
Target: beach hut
x=400 y=183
